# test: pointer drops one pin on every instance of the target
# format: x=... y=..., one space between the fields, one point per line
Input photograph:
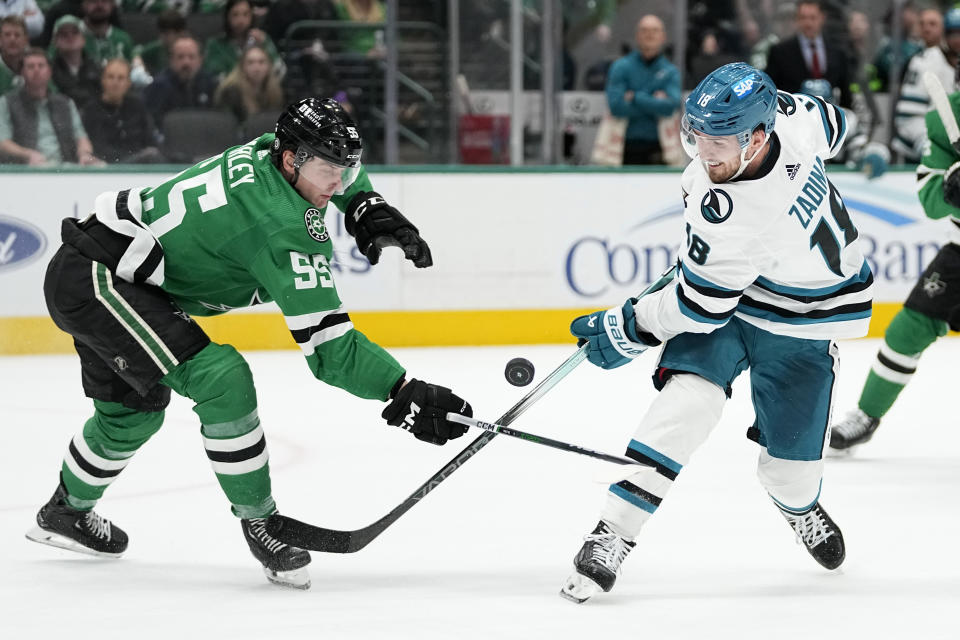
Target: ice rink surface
x=484 y=555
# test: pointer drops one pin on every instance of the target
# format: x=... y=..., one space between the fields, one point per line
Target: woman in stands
x=223 y=52
x=250 y=88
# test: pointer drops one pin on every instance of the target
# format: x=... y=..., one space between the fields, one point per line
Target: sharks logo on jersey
x=716 y=206
x=315 y=227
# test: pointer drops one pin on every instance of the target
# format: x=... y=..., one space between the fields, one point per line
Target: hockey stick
x=547 y=442
x=938 y=95
x=307 y=536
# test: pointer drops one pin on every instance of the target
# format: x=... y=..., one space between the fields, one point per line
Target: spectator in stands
x=223 y=52
x=182 y=85
x=155 y=55
x=250 y=88
x=104 y=40
x=644 y=86
x=284 y=13
x=365 y=41
x=13 y=44
x=781 y=28
x=26 y=9
x=940 y=58
x=910 y=45
x=709 y=57
x=38 y=127
x=119 y=126
x=74 y=73
x=809 y=56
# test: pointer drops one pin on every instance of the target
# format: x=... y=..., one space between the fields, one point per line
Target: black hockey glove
x=375 y=225
x=951 y=185
x=421 y=408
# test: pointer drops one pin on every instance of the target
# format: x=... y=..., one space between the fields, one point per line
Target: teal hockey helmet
x=951 y=19
x=734 y=99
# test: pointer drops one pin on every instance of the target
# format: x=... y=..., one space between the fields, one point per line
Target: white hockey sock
x=793 y=484
x=677 y=422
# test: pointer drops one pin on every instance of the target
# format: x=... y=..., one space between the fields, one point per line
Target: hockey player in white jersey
x=770 y=274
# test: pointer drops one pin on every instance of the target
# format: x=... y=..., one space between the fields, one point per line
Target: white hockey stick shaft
x=938 y=96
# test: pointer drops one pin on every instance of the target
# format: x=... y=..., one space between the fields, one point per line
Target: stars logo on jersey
x=716 y=206
x=315 y=227
x=933 y=285
x=792 y=170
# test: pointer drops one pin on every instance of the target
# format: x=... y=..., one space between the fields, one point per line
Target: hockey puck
x=519 y=372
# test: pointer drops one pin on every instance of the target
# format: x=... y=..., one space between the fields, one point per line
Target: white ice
x=484 y=555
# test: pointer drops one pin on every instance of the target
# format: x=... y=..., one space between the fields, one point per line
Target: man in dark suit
x=807 y=56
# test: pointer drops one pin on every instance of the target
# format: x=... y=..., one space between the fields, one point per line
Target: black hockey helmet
x=317 y=127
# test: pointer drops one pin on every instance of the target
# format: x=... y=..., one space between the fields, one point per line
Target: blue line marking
x=887 y=215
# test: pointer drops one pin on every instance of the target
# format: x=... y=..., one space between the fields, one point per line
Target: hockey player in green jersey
x=933 y=305
x=244 y=227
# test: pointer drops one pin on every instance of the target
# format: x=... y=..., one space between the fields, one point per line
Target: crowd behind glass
x=95 y=82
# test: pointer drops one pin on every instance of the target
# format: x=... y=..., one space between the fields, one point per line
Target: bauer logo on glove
x=613 y=336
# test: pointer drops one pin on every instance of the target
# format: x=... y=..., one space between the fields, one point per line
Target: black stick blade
x=306 y=536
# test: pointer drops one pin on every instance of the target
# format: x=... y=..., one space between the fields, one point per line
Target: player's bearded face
x=720 y=155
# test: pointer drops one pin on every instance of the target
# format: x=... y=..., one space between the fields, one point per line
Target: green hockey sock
x=219 y=381
x=98 y=454
x=908 y=335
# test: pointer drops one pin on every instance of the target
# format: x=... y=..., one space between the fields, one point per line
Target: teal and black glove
x=613 y=336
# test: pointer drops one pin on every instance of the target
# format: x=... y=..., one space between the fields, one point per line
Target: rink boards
x=517 y=253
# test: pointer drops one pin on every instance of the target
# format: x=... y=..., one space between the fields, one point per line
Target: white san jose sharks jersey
x=777 y=250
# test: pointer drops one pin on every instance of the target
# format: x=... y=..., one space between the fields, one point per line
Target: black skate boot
x=60 y=525
x=282 y=564
x=854 y=429
x=597 y=564
x=819 y=534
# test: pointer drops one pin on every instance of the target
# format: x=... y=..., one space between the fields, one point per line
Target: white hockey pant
x=677 y=422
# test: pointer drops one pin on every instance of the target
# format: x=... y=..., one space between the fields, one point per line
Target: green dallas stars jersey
x=234 y=233
x=938 y=156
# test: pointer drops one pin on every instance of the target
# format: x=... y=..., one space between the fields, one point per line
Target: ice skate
x=855 y=429
x=60 y=525
x=282 y=564
x=819 y=534
x=597 y=564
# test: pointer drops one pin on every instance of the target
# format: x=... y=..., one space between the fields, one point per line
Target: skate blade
x=579 y=588
x=62 y=542
x=295 y=579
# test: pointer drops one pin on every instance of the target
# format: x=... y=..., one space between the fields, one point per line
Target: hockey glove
x=375 y=225
x=613 y=337
x=421 y=408
x=951 y=185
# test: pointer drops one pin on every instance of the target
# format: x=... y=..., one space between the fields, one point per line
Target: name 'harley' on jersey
x=776 y=249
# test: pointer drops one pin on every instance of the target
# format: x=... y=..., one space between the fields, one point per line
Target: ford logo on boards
x=20 y=243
